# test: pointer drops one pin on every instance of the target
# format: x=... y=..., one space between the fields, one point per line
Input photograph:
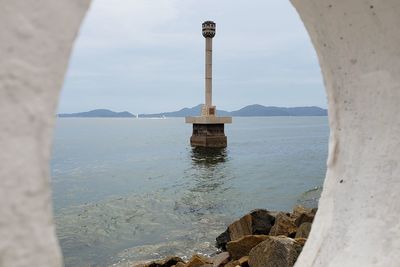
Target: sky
x=147 y=56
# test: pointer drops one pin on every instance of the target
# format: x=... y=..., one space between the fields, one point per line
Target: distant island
x=248 y=111
x=98 y=113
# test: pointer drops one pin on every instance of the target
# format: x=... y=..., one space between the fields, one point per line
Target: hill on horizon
x=98 y=113
x=194 y=111
x=260 y=110
x=255 y=110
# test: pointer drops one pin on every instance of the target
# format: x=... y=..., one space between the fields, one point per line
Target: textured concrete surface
x=208 y=33
x=208 y=135
x=358 y=46
x=208 y=120
x=36 y=40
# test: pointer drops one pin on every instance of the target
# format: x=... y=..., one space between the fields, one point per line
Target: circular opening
x=128 y=189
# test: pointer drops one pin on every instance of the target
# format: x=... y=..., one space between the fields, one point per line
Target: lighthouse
x=208 y=128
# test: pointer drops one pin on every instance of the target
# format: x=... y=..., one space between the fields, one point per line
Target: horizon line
x=135 y=113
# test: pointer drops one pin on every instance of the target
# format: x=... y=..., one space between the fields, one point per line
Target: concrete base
x=208 y=120
x=208 y=135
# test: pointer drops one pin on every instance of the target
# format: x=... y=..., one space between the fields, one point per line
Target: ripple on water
x=149 y=194
x=107 y=228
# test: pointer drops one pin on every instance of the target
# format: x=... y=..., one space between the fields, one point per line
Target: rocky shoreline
x=260 y=238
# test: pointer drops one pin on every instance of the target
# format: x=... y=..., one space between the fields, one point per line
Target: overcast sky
x=148 y=56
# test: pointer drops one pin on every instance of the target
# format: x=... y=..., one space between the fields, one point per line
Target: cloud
x=148 y=56
x=121 y=23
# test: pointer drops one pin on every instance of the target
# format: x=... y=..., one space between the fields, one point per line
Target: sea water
x=127 y=190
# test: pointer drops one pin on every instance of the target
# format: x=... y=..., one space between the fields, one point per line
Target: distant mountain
x=194 y=111
x=98 y=113
x=259 y=110
x=248 y=111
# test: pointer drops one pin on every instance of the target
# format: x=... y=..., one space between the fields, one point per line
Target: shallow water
x=127 y=190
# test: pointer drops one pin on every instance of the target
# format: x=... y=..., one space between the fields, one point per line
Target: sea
x=127 y=190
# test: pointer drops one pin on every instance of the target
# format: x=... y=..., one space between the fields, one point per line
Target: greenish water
x=126 y=190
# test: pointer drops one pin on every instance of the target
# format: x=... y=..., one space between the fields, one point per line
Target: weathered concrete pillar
x=357 y=43
x=36 y=41
x=208 y=71
x=208 y=30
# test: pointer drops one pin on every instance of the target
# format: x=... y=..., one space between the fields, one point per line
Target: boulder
x=314 y=210
x=222 y=239
x=261 y=221
x=284 y=225
x=233 y=263
x=244 y=261
x=220 y=259
x=257 y=222
x=301 y=241
x=301 y=215
x=275 y=251
x=198 y=260
x=303 y=230
x=240 y=227
x=242 y=246
x=166 y=262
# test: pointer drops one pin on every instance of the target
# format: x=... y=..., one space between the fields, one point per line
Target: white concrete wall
x=358 y=45
x=35 y=44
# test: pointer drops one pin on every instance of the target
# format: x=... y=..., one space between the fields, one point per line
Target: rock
x=303 y=230
x=240 y=227
x=220 y=259
x=314 y=210
x=301 y=215
x=257 y=222
x=244 y=261
x=261 y=222
x=304 y=218
x=233 y=263
x=298 y=210
x=301 y=241
x=198 y=260
x=166 y=262
x=242 y=246
x=222 y=239
x=284 y=225
x=275 y=251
